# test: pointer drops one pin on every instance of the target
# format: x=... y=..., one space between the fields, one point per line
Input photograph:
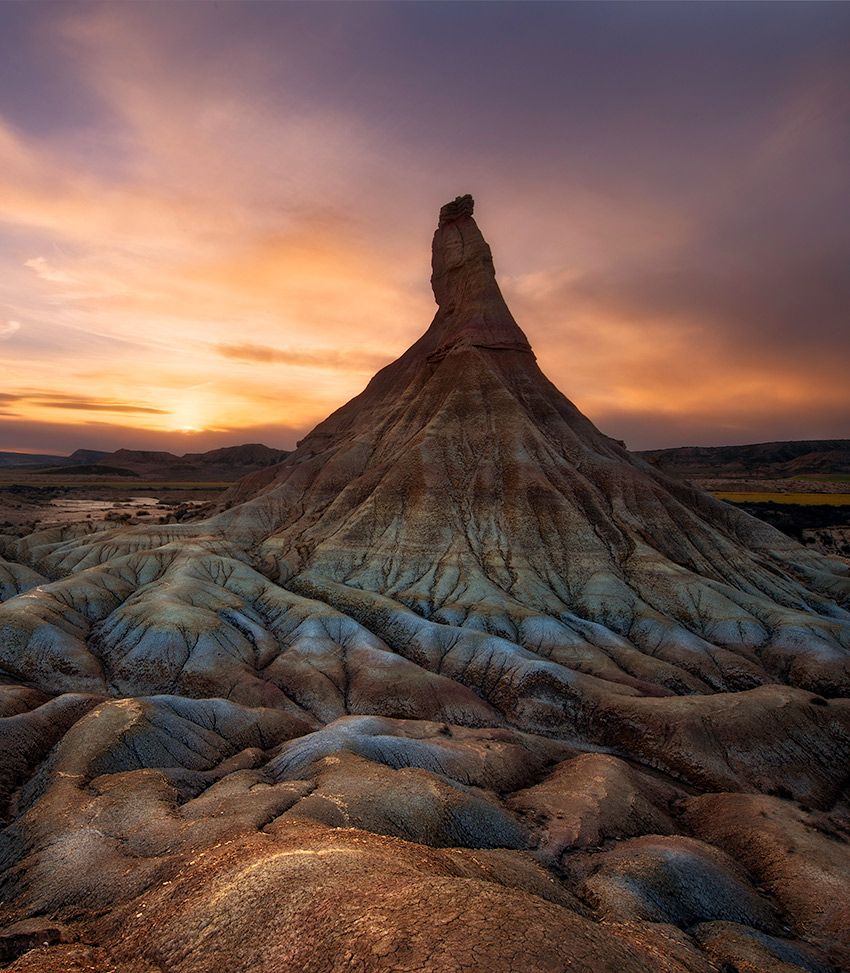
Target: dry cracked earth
x=461 y=685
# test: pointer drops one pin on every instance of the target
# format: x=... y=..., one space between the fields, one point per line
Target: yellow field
x=827 y=499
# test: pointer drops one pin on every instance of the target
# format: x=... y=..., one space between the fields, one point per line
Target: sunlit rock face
x=459 y=685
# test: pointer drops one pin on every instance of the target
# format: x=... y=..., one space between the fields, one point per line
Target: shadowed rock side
x=459 y=685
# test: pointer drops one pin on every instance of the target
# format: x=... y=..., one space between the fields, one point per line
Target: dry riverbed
x=29 y=503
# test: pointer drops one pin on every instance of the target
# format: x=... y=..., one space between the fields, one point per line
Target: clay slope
x=459 y=685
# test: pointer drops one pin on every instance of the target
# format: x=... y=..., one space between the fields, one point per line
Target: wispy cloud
x=90 y=405
x=334 y=359
x=46 y=272
x=82 y=403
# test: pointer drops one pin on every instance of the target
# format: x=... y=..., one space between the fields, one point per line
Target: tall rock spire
x=472 y=310
x=458 y=653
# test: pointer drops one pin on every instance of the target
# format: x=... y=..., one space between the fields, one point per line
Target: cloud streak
x=333 y=359
x=82 y=403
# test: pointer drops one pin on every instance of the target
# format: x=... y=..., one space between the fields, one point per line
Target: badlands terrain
x=459 y=685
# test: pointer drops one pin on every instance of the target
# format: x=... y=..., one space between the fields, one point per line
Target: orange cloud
x=201 y=231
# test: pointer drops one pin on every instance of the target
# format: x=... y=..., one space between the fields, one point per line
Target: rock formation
x=460 y=684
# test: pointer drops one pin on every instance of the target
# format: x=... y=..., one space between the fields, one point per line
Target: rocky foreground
x=459 y=685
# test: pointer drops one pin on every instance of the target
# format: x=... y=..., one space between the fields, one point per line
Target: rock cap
x=457 y=209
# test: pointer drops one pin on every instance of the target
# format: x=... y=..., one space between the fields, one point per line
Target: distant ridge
x=17 y=460
x=791 y=458
x=225 y=463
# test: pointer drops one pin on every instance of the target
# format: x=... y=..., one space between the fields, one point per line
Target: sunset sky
x=215 y=218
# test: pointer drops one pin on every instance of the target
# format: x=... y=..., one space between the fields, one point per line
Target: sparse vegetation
x=827 y=477
x=800 y=499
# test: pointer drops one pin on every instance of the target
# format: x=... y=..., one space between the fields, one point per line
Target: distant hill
x=88 y=455
x=31 y=459
x=18 y=460
x=228 y=463
x=782 y=459
x=249 y=454
x=85 y=469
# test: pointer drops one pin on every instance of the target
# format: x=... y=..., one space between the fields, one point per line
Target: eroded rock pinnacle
x=459 y=684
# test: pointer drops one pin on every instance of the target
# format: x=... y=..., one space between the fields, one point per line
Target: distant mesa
x=800 y=457
x=224 y=464
x=88 y=469
x=79 y=456
x=88 y=455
